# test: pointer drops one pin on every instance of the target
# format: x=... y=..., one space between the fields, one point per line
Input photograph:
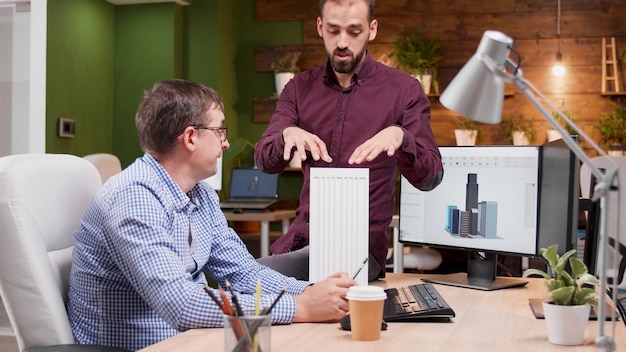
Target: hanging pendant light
x=558 y=69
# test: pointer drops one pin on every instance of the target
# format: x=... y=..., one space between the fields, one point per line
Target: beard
x=348 y=65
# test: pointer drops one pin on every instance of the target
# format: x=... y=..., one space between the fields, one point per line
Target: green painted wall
x=102 y=57
x=148 y=48
x=79 y=83
x=252 y=84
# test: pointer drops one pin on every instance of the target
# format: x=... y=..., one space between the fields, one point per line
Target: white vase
x=465 y=137
x=281 y=79
x=426 y=81
x=295 y=162
x=553 y=135
x=566 y=324
x=519 y=138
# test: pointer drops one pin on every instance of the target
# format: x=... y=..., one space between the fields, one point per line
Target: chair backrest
x=585 y=182
x=107 y=164
x=42 y=199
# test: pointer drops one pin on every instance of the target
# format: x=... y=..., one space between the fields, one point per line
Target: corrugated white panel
x=338 y=222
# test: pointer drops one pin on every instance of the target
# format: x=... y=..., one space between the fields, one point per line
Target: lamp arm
x=606 y=179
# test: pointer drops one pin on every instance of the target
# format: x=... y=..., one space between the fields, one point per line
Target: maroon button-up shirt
x=378 y=97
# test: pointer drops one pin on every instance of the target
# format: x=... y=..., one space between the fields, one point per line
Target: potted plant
x=467 y=131
x=285 y=68
x=418 y=57
x=566 y=309
x=241 y=152
x=612 y=127
x=554 y=134
x=517 y=131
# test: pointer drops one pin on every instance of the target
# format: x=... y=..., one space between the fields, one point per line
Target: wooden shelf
x=264 y=108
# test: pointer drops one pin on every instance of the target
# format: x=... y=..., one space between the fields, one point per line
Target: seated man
x=153 y=231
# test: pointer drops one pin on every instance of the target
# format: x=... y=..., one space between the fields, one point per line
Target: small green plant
x=418 y=56
x=612 y=126
x=512 y=124
x=565 y=289
x=286 y=62
x=622 y=56
x=240 y=151
x=562 y=122
x=463 y=123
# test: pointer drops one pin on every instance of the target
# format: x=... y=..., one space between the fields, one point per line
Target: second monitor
x=494 y=199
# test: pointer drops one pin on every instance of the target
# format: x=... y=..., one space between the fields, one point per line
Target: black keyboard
x=416 y=303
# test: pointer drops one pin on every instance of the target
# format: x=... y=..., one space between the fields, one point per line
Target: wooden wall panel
x=459 y=25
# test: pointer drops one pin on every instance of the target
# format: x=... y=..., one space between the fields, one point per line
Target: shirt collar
x=180 y=198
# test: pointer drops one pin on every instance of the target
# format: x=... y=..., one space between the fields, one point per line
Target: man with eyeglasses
x=154 y=230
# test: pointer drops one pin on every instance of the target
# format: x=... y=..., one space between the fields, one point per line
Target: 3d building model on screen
x=478 y=220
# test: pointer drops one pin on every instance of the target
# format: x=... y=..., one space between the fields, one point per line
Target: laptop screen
x=253 y=183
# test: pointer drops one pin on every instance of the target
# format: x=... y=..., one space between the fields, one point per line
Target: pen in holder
x=247 y=333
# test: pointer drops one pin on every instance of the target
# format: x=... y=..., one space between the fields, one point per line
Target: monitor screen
x=494 y=199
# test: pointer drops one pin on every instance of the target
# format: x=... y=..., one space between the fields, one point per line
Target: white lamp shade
x=478 y=90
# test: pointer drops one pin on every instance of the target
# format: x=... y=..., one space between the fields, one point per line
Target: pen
x=269 y=309
x=214 y=298
x=235 y=300
x=241 y=331
x=360 y=268
x=228 y=309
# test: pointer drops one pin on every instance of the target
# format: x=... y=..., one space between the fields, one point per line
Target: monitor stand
x=481 y=275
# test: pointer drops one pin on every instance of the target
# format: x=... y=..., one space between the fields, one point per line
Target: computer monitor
x=494 y=199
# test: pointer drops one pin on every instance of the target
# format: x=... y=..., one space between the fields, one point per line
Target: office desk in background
x=265 y=218
x=485 y=321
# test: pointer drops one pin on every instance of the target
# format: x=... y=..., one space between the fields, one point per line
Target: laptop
x=251 y=190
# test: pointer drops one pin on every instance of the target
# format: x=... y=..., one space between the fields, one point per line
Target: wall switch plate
x=66 y=127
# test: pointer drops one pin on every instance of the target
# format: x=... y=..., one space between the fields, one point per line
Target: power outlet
x=67 y=127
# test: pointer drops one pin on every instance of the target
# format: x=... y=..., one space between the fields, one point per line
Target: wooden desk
x=265 y=218
x=485 y=321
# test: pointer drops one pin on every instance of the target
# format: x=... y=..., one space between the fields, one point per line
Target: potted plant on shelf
x=467 y=131
x=285 y=68
x=418 y=57
x=566 y=309
x=612 y=127
x=554 y=134
x=517 y=131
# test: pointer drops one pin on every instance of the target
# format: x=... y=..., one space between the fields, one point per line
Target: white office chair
x=616 y=243
x=107 y=164
x=42 y=198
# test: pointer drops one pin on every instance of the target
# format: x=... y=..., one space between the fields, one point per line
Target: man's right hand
x=325 y=300
x=303 y=141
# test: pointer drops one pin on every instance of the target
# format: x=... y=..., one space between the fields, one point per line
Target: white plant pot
x=465 y=137
x=295 y=162
x=426 y=81
x=553 y=135
x=519 y=138
x=566 y=324
x=281 y=79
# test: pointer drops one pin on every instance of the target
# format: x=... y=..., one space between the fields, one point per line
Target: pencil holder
x=247 y=333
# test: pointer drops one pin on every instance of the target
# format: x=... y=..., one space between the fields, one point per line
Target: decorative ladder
x=610 y=79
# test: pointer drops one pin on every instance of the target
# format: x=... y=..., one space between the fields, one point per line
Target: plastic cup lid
x=366 y=293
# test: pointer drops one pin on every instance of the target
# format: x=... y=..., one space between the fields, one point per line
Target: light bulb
x=558 y=69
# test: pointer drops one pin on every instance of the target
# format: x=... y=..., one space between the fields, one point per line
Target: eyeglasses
x=222 y=132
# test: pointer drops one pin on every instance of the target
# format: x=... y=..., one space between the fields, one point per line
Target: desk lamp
x=478 y=92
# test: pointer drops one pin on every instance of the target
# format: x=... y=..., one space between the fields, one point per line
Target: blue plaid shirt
x=140 y=252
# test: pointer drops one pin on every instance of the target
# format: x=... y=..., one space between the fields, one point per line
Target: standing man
x=154 y=230
x=351 y=112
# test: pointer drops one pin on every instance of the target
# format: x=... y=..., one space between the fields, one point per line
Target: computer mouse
x=345 y=323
